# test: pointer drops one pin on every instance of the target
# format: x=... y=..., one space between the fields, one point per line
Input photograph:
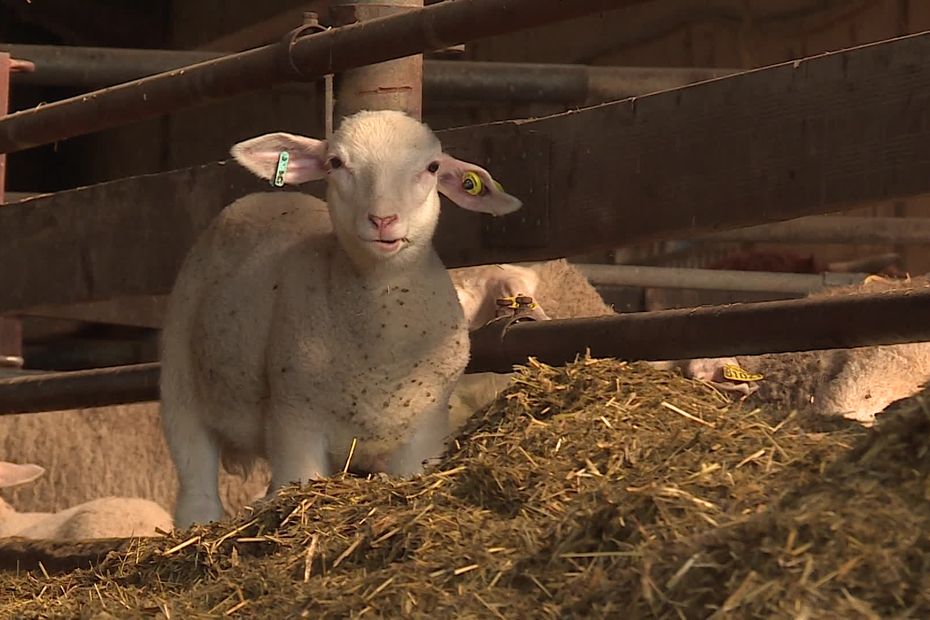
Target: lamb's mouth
x=390 y=245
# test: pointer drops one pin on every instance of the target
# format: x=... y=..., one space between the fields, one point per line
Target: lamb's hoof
x=197 y=510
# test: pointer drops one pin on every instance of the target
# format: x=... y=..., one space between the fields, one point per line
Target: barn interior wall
x=726 y=34
x=698 y=33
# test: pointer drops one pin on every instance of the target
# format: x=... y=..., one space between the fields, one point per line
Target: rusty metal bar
x=392 y=85
x=832 y=229
x=739 y=329
x=101 y=387
x=844 y=321
x=444 y=80
x=715 y=279
x=552 y=83
x=302 y=59
x=98 y=67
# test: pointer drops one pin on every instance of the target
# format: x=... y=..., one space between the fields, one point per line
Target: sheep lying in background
x=854 y=383
x=315 y=334
x=108 y=517
x=107 y=451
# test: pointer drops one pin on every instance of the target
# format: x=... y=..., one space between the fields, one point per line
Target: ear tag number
x=735 y=373
x=281 y=170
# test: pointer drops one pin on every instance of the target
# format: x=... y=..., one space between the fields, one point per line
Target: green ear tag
x=281 y=170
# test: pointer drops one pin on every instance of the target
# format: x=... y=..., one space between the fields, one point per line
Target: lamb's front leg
x=427 y=440
x=196 y=457
x=297 y=448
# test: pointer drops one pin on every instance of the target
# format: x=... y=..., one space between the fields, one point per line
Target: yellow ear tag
x=499 y=187
x=472 y=184
x=735 y=373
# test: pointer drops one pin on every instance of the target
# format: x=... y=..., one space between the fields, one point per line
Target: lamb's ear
x=305 y=159
x=472 y=187
x=12 y=474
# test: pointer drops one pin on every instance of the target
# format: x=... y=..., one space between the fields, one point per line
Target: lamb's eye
x=335 y=163
x=433 y=167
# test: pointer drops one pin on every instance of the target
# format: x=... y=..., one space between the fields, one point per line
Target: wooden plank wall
x=724 y=33
x=799 y=138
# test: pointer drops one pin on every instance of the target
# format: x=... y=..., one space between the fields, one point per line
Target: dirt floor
x=600 y=489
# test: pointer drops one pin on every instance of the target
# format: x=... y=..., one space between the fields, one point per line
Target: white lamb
x=297 y=328
x=107 y=517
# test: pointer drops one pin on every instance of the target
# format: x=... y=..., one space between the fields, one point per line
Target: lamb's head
x=384 y=172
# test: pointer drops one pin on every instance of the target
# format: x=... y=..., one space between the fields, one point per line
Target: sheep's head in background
x=479 y=289
x=384 y=172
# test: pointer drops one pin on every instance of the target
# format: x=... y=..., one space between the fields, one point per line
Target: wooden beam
x=139 y=311
x=11 y=329
x=107 y=241
x=825 y=134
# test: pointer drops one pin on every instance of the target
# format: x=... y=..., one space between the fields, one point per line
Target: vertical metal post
x=392 y=85
x=11 y=338
x=5 y=70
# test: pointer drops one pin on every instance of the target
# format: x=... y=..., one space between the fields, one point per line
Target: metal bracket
x=488 y=340
x=518 y=308
x=286 y=46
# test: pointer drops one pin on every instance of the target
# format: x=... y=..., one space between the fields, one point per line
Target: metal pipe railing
x=443 y=80
x=100 y=387
x=809 y=324
x=832 y=229
x=295 y=58
x=739 y=329
x=715 y=279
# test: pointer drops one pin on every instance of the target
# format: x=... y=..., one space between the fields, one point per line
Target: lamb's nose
x=382 y=223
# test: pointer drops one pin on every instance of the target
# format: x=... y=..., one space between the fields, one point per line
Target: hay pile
x=598 y=489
